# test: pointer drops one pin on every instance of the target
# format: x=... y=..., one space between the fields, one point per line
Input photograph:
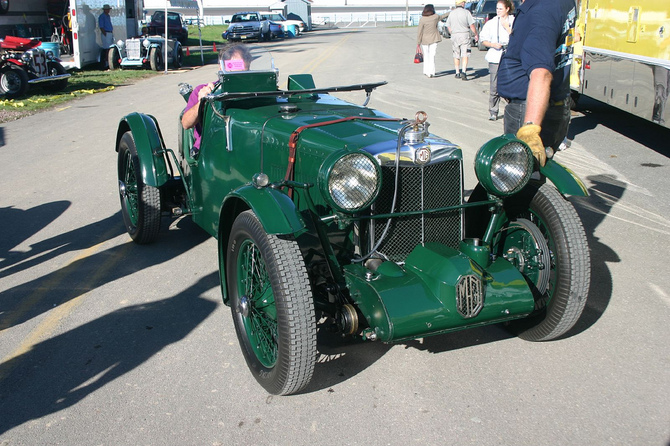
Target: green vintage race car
x=326 y=210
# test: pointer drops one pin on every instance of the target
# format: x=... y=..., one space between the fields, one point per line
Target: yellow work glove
x=530 y=134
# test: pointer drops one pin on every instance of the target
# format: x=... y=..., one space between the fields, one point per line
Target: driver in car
x=231 y=58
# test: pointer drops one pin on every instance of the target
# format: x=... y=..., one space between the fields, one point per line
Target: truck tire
x=272 y=306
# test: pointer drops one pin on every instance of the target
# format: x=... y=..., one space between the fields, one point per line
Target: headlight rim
x=487 y=155
x=326 y=170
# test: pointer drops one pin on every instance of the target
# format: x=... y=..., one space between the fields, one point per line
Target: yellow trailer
x=623 y=57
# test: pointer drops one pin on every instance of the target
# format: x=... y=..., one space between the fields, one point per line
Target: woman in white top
x=495 y=36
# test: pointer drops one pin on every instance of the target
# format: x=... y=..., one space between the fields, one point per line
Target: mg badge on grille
x=422 y=155
x=469 y=296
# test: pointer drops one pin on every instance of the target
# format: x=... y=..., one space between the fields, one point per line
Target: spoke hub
x=243 y=306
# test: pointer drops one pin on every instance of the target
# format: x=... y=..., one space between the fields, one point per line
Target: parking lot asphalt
x=106 y=342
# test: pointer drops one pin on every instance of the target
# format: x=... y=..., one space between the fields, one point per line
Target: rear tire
x=178 y=59
x=540 y=219
x=140 y=203
x=271 y=304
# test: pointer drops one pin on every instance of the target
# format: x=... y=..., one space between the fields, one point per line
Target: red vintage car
x=23 y=62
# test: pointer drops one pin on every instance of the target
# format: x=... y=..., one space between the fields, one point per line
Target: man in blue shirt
x=534 y=74
x=106 y=28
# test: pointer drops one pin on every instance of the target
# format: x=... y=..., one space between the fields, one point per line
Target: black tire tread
x=574 y=275
x=296 y=325
x=149 y=199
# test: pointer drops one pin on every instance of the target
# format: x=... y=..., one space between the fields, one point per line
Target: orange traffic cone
x=188 y=51
x=214 y=46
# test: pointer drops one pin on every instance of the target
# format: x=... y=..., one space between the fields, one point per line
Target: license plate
x=243 y=37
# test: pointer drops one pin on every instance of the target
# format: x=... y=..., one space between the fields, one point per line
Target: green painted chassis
x=216 y=186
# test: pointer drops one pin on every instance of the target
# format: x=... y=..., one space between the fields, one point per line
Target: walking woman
x=495 y=36
x=428 y=37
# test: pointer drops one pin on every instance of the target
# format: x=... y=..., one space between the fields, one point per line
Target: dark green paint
x=275 y=210
x=564 y=179
x=421 y=302
x=149 y=144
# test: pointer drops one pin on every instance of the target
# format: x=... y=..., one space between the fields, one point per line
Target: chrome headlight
x=120 y=44
x=146 y=43
x=26 y=58
x=351 y=182
x=504 y=165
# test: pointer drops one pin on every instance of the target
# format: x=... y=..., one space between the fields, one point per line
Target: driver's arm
x=190 y=117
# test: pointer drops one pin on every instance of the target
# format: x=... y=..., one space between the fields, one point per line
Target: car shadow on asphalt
x=84 y=273
x=61 y=371
x=342 y=358
x=604 y=193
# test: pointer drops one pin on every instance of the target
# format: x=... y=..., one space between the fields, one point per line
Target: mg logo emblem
x=422 y=155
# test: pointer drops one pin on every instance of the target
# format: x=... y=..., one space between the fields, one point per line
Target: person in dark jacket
x=534 y=74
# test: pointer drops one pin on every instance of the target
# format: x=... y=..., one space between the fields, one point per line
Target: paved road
x=105 y=342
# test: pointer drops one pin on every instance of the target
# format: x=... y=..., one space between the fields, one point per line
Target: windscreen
x=243 y=57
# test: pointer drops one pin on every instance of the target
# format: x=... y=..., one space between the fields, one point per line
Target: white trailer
x=86 y=38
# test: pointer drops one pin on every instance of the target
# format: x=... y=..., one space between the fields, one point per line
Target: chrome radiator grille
x=420 y=187
x=133 y=48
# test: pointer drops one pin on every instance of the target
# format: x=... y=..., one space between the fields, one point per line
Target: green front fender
x=149 y=145
x=565 y=180
x=275 y=210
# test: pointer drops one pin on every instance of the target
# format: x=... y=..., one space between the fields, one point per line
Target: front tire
x=140 y=203
x=156 y=59
x=55 y=69
x=545 y=239
x=113 y=58
x=13 y=81
x=272 y=306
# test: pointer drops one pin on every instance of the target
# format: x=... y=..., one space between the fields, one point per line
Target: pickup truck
x=247 y=26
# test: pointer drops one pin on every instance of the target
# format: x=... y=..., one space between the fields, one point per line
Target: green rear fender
x=565 y=180
x=274 y=209
x=149 y=144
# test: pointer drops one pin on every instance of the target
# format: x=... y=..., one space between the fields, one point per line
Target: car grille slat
x=420 y=187
x=133 y=48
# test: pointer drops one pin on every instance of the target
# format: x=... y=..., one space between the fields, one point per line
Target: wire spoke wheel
x=140 y=203
x=271 y=304
x=544 y=238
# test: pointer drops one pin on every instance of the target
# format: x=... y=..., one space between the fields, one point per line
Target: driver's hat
x=106 y=7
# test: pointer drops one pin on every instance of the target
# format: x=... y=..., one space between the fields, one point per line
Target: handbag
x=418 y=57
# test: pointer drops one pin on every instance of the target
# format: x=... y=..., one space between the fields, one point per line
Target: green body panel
x=300 y=82
x=564 y=179
x=149 y=144
x=421 y=302
x=259 y=133
x=275 y=210
x=248 y=81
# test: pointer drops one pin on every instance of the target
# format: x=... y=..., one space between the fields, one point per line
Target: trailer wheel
x=13 y=81
x=272 y=306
